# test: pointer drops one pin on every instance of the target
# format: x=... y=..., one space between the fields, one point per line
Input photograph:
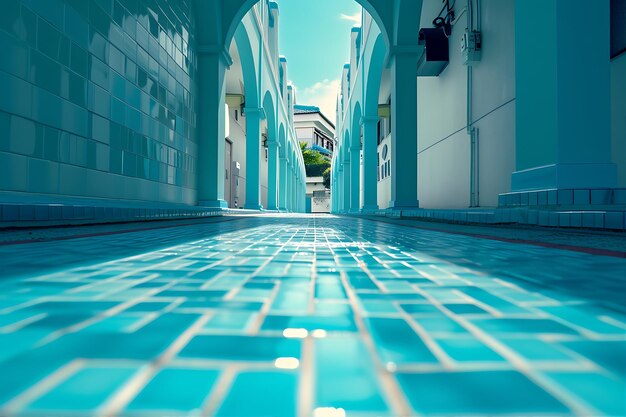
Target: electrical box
x=234 y=184
x=436 y=56
x=471 y=46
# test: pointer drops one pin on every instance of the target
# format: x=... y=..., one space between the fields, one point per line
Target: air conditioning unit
x=436 y=56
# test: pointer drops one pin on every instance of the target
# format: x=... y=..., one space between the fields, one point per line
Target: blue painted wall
x=97 y=99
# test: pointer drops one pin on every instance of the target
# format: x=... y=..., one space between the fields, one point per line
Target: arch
x=282 y=139
x=248 y=66
x=272 y=152
x=355 y=159
x=233 y=11
x=406 y=22
x=270 y=116
x=370 y=124
x=289 y=146
x=281 y=80
x=398 y=21
x=356 y=125
x=346 y=146
x=374 y=78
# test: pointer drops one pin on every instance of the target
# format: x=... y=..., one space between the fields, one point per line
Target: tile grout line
x=127 y=392
x=44 y=386
x=390 y=386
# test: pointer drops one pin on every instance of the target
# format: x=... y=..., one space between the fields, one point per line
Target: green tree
x=314 y=162
x=310 y=156
x=326 y=176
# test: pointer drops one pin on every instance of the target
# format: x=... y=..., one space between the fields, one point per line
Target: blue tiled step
x=606 y=219
x=12 y=214
x=570 y=198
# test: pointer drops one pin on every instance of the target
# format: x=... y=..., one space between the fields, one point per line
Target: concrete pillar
x=289 y=187
x=294 y=190
x=211 y=126
x=335 y=192
x=563 y=136
x=272 y=177
x=355 y=173
x=404 y=129
x=300 y=186
x=346 y=186
x=282 y=197
x=332 y=187
x=340 y=186
x=253 y=158
x=370 y=154
x=302 y=198
x=296 y=197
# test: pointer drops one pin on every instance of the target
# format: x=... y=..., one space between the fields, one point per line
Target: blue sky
x=315 y=38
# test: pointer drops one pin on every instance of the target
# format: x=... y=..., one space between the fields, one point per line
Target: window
x=384 y=128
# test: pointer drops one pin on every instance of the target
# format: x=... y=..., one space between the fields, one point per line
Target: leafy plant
x=326 y=176
x=312 y=157
x=315 y=164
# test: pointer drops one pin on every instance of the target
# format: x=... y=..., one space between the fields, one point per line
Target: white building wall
x=384 y=182
x=444 y=148
x=238 y=137
x=444 y=145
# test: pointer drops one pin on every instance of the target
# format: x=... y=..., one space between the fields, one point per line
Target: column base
x=257 y=207
x=404 y=205
x=369 y=209
x=565 y=176
x=214 y=204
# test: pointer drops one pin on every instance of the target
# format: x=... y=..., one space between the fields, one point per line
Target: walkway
x=296 y=315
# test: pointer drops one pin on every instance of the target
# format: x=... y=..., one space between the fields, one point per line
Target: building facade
x=492 y=126
x=313 y=128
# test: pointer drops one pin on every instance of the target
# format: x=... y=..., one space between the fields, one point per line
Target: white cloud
x=356 y=18
x=322 y=94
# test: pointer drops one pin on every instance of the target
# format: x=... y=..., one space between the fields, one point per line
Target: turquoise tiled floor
x=308 y=316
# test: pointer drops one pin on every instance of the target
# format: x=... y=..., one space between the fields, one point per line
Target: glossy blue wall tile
x=102 y=89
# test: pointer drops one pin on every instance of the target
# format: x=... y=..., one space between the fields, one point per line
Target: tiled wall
x=96 y=98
